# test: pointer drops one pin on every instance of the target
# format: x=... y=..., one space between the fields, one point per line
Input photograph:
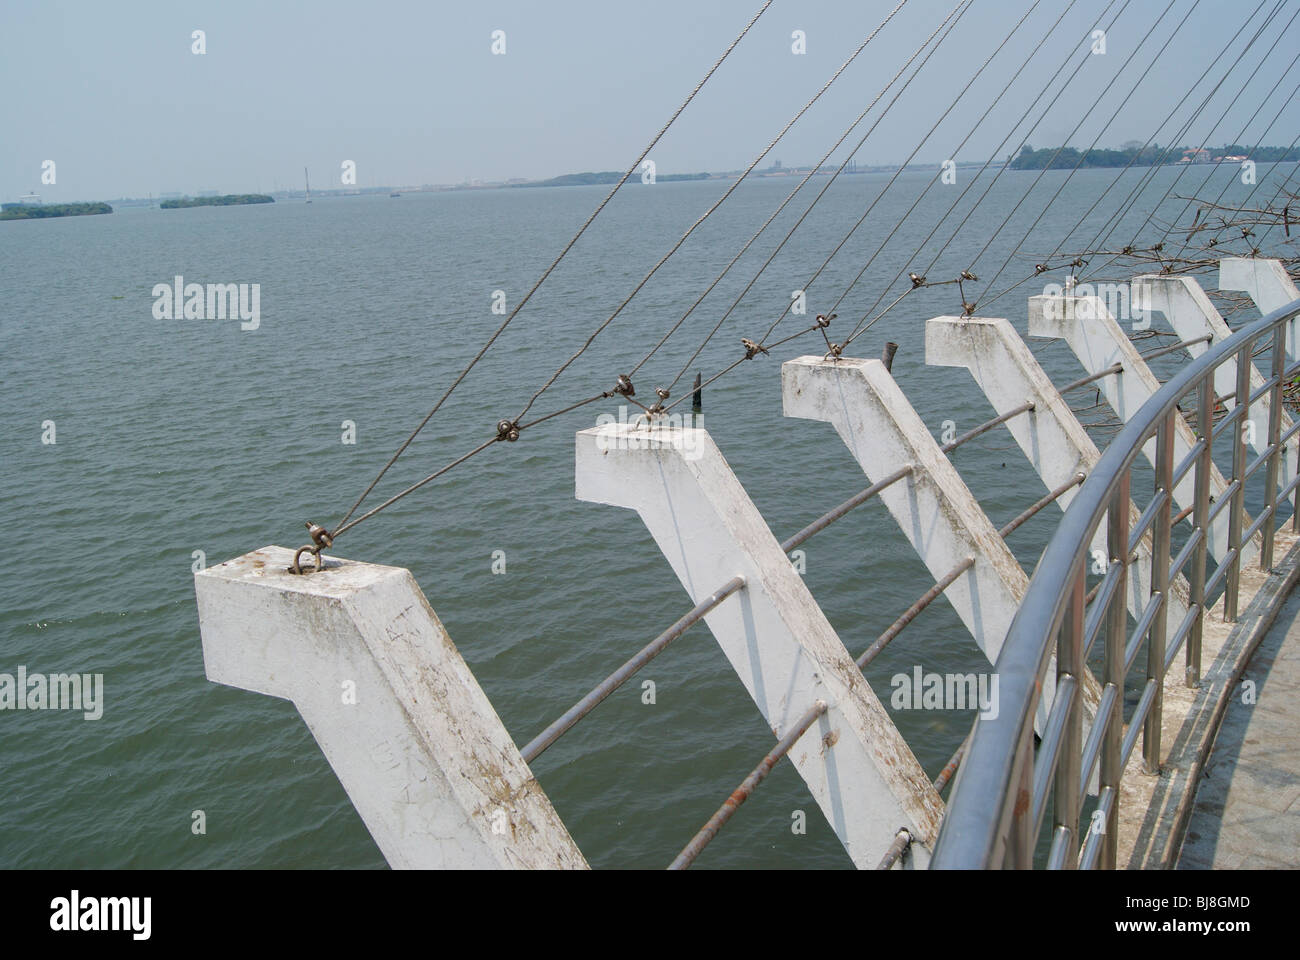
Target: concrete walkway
x=1247 y=809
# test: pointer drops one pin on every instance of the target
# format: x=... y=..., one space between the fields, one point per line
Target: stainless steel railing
x=1002 y=793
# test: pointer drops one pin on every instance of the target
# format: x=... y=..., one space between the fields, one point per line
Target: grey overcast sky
x=412 y=92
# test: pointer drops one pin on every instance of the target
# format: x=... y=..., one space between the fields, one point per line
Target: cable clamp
x=321 y=540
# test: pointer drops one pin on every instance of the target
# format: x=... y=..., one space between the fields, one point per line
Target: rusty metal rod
x=1051 y=497
x=1177 y=346
x=987 y=426
x=852 y=503
x=950 y=768
x=1092 y=594
x=911 y=612
x=902 y=840
x=1113 y=368
x=616 y=679
x=742 y=792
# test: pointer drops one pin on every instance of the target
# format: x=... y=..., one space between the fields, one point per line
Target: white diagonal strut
x=1087 y=326
x=1191 y=314
x=1268 y=284
x=933 y=506
x=396 y=710
x=856 y=764
x=1050 y=435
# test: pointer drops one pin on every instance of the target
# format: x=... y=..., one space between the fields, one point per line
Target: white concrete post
x=1050 y=435
x=856 y=764
x=411 y=735
x=1097 y=340
x=933 y=506
x=1267 y=283
x=1191 y=314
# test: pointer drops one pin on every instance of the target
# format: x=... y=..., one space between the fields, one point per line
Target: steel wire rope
x=730 y=190
x=811 y=172
x=772 y=256
x=1150 y=66
x=1182 y=130
x=863 y=325
x=343 y=523
x=1104 y=238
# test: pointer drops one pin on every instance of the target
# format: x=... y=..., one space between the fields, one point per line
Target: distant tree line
x=1068 y=157
x=229 y=200
x=26 y=211
x=1261 y=154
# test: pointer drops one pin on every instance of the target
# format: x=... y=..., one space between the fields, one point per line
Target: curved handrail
x=990 y=788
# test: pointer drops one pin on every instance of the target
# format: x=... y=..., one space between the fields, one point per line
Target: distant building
x=1196 y=155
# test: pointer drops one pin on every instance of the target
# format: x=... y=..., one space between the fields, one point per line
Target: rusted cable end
x=321 y=540
x=657 y=409
x=902 y=840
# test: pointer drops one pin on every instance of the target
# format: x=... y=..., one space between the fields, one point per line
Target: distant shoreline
x=1029 y=160
x=604 y=177
x=1068 y=158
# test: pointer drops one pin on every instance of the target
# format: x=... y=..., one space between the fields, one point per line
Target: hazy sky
x=412 y=93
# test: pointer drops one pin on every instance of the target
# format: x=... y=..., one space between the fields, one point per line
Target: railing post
x=1020 y=844
x=1274 y=436
x=1236 y=509
x=1117 y=516
x=1200 y=519
x=1295 y=510
x=1069 y=758
x=1159 y=590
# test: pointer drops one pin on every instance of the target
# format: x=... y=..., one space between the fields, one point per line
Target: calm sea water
x=185 y=435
